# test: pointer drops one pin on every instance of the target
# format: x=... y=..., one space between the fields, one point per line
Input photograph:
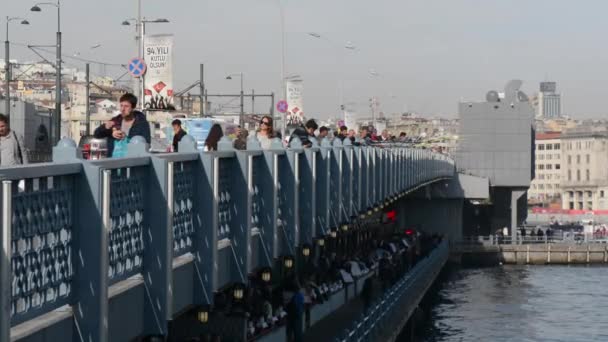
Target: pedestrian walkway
x=339 y=321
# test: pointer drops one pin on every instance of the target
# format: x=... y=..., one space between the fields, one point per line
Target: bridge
x=116 y=249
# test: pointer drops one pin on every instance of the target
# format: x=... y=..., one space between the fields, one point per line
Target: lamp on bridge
x=344 y=227
x=306 y=251
x=376 y=209
x=362 y=216
x=266 y=274
x=369 y=212
x=288 y=261
x=238 y=291
x=334 y=233
x=203 y=314
x=321 y=242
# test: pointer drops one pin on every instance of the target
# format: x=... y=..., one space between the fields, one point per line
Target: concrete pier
x=550 y=253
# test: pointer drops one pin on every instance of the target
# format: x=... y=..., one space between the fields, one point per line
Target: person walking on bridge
x=305 y=133
x=12 y=151
x=178 y=134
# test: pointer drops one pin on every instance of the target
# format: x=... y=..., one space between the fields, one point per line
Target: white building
x=585 y=169
x=545 y=187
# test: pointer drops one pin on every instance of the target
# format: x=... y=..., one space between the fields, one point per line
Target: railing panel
x=308 y=193
x=125 y=243
x=41 y=260
x=183 y=207
x=287 y=223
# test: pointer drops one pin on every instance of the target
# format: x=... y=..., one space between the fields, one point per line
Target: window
x=556 y=146
x=588 y=174
x=578 y=159
x=571 y=194
x=557 y=166
x=549 y=147
x=569 y=159
x=541 y=147
x=589 y=205
x=578 y=175
x=541 y=157
x=549 y=157
x=541 y=176
x=549 y=166
x=541 y=166
x=541 y=186
x=588 y=194
x=556 y=156
x=571 y=205
x=549 y=176
x=569 y=175
x=534 y=186
x=588 y=157
x=556 y=186
x=602 y=193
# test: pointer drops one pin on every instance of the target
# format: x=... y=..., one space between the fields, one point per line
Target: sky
x=428 y=54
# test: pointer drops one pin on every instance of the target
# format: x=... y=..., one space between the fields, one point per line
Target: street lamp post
x=57 y=127
x=140 y=31
x=7 y=65
x=242 y=114
x=340 y=52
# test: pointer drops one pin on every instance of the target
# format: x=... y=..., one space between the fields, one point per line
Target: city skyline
x=427 y=55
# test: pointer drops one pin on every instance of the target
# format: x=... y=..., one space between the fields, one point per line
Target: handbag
x=120 y=148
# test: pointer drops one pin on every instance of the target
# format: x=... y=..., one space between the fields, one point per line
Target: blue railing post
x=372 y=177
x=308 y=193
x=323 y=195
x=335 y=184
x=348 y=197
x=158 y=247
x=90 y=285
x=214 y=210
x=5 y=261
x=292 y=212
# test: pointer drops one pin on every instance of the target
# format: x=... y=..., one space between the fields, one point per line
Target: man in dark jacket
x=305 y=133
x=128 y=124
x=178 y=134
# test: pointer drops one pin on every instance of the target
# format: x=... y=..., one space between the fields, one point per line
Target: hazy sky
x=429 y=54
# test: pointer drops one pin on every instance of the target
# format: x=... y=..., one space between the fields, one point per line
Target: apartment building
x=545 y=187
x=585 y=168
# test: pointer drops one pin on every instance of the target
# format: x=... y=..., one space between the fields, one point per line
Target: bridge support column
x=515 y=195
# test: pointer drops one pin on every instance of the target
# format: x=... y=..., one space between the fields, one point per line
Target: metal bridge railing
x=73 y=228
x=389 y=309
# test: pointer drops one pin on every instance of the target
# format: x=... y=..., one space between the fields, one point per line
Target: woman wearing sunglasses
x=265 y=133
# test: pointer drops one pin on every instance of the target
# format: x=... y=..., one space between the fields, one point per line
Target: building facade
x=585 y=169
x=545 y=188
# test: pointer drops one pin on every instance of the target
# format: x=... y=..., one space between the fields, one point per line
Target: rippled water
x=522 y=303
